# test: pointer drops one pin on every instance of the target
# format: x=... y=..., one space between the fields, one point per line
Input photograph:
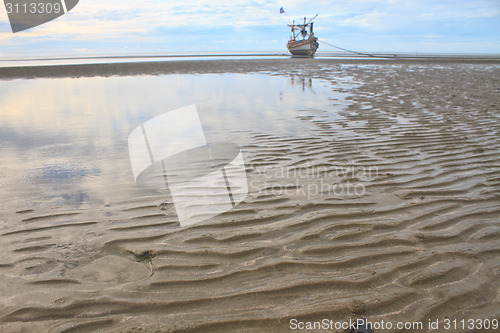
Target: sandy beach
x=374 y=191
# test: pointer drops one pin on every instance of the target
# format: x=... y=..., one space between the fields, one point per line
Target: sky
x=131 y=27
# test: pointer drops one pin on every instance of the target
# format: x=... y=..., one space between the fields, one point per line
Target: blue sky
x=111 y=27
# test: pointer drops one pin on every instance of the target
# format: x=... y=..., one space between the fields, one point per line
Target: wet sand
x=418 y=239
x=285 y=66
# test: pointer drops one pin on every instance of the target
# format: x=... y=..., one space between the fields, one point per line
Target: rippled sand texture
x=419 y=240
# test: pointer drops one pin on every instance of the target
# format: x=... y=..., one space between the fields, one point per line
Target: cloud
x=374 y=20
x=148 y=24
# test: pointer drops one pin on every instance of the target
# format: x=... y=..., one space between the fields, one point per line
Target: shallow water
x=64 y=141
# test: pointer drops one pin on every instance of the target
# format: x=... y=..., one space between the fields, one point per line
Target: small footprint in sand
x=164 y=205
x=146 y=256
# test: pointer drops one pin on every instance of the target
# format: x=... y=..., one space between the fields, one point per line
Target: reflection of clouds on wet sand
x=95 y=105
x=69 y=123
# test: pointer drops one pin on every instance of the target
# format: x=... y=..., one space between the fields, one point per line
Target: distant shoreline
x=145 y=58
x=206 y=66
x=320 y=54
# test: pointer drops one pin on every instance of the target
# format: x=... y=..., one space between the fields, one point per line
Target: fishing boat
x=306 y=46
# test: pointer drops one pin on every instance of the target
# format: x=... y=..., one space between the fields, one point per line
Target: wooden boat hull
x=305 y=48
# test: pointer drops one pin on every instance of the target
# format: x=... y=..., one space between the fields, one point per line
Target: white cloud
x=118 y=18
x=146 y=21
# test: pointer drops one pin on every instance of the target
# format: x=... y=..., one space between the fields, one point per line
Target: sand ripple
x=421 y=241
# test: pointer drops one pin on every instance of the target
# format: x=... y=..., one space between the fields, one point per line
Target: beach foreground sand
x=411 y=232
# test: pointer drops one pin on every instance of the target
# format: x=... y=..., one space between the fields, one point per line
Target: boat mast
x=303 y=32
x=302 y=28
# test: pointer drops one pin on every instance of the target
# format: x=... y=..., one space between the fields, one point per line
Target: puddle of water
x=63 y=142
